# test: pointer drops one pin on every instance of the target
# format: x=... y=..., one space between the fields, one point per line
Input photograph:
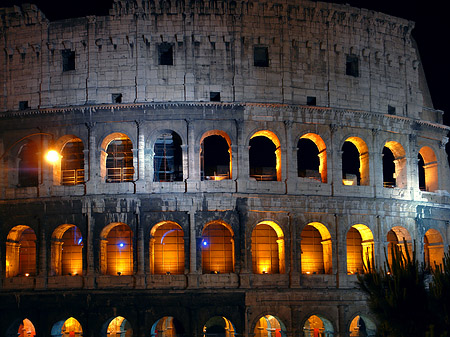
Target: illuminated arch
x=218 y=326
x=69 y=327
x=217 y=247
x=316 y=248
x=167 y=248
x=317 y=325
x=355 y=162
x=117 y=327
x=433 y=248
x=428 y=170
x=67 y=250
x=116 y=159
x=21 y=252
x=215 y=155
x=321 y=155
x=168 y=157
x=269 y=326
x=362 y=326
x=167 y=327
x=394 y=165
x=265 y=156
x=28 y=165
x=268 y=251
x=116 y=249
x=21 y=328
x=359 y=249
x=397 y=237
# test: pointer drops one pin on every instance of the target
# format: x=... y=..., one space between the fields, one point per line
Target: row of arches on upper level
x=217 y=326
x=168 y=247
x=118 y=160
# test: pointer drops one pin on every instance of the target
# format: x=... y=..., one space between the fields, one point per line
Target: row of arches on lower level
x=167 y=247
x=118 y=159
x=217 y=326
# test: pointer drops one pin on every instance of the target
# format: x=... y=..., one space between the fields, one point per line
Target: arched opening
x=269 y=326
x=265 y=156
x=318 y=326
x=118 y=158
x=433 y=248
x=215 y=158
x=167 y=249
x=362 y=326
x=116 y=250
x=21 y=252
x=312 y=157
x=117 y=327
x=72 y=163
x=394 y=165
x=316 y=249
x=268 y=249
x=428 y=170
x=217 y=249
x=168 y=158
x=359 y=249
x=28 y=175
x=68 y=328
x=167 y=327
x=397 y=237
x=218 y=326
x=355 y=162
x=22 y=328
x=67 y=250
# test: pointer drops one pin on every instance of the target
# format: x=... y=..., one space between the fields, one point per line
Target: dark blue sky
x=432 y=32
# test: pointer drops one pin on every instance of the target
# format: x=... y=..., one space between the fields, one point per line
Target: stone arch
x=355 y=162
x=397 y=236
x=394 y=165
x=167 y=157
x=21 y=328
x=116 y=327
x=116 y=249
x=217 y=248
x=433 y=248
x=218 y=326
x=167 y=248
x=268 y=248
x=21 y=252
x=68 y=169
x=316 y=249
x=269 y=326
x=318 y=325
x=117 y=161
x=68 y=327
x=317 y=156
x=265 y=156
x=67 y=250
x=360 y=249
x=28 y=165
x=428 y=170
x=215 y=155
x=167 y=326
x=362 y=326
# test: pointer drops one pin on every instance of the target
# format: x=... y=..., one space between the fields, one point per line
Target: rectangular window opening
x=116 y=98
x=68 y=58
x=261 y=56
x=214 y=96
x=391 y=110
x=311 y=100
x=23 y=105
x=352 y=66
x=165 y=54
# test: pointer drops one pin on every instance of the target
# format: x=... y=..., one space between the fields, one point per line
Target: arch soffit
x=153 y=135
x=359 y=143
x=14 y=327
x=396 y=148
x=61 y=229
x=328 y=324
x=15 y=233
x=433 y=236
x=105 y=231
x=57 y=327
x=159 y=224
x=401 y=232
x=323 y=230
x=364 y=231
x=368 y=320
x=315 y=138
x=272 y=224
x=108 y=138
x=215 y=132
x=110 y=319
x=62 y=141
x=428 y=154
x=219 y=222
x=265 y=133
x=268 y=313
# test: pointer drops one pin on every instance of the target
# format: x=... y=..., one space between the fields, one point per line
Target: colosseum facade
x=211 y=167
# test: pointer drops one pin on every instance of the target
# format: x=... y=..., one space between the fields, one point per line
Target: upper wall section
x=249 y=51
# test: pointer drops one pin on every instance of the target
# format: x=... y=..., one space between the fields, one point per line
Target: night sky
x=432 y=32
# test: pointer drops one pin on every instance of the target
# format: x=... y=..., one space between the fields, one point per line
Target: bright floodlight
x=52 y=156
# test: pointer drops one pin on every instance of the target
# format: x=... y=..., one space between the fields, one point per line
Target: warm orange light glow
x=26 y=329
x=52 y=156
x=348 y=182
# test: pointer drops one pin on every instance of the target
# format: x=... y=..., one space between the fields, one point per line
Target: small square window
x=165 y=54
x=391 y=110
x=23 y=105
x=352 y=66
x=310 y=100
x=116 y=98
x=68 y=58
x=214 y=96
x=261 y=56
